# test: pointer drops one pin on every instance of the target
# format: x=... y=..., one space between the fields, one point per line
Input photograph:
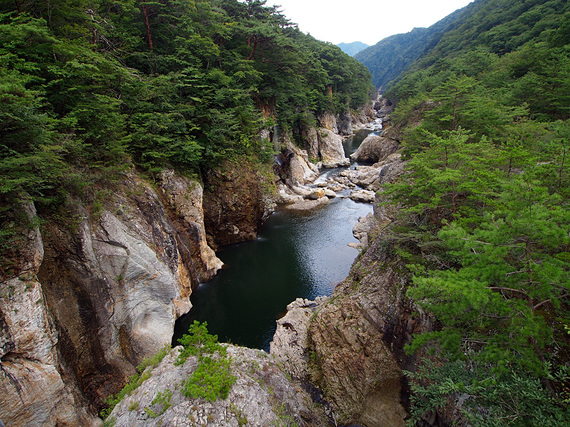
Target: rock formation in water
x=374 y=149
x=238 y=198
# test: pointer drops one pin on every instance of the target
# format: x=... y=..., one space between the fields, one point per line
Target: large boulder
x=331 y=149
x=374 y=149
x=262 y=395
x=185 y=198
x=328 y=121
x=290 y=341
x=310 y=137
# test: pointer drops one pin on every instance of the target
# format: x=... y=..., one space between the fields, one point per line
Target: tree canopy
x=91 y=87
x=485 y=218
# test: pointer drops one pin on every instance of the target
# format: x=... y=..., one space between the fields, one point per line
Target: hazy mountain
x=352 y=48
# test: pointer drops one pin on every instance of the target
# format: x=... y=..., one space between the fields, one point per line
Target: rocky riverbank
x=350 y=345
x=105 y=283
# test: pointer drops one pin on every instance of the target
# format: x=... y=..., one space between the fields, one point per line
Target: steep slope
x=388 y=58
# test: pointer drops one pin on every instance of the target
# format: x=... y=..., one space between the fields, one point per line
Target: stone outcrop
x=290 y=341
x=263 y=395
x=375 y=148
x=358 y=338
x=331 y=149
x=238 y=198
x=33 y=389
x=185 y=198
x=116 y=279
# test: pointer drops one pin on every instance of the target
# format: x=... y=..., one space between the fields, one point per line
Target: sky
x=367 y=21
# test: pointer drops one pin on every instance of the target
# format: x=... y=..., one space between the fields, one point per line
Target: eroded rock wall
x=97 y=292
x=33 y=387
x=238 y=198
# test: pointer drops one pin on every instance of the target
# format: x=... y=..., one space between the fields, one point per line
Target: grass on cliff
x=135 y=380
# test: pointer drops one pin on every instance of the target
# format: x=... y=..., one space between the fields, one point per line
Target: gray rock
x=262 y=395
x=374 y=148
x=331 y=149
x=364 y=196
x=289 y=344
x=32 y=388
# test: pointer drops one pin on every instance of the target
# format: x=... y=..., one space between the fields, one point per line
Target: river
x=296 y=255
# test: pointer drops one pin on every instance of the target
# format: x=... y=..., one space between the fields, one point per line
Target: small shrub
x=197 y=342
x=211 y=380
x=161 y=399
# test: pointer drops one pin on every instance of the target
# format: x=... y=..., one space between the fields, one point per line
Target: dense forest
x=92 y=87
x=391 y=56
x=485 y=220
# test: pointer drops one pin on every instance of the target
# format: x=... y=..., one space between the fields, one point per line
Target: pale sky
x=367 y=21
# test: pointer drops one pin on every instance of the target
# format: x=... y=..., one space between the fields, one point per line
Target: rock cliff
x=262 y=395
x=110 y=283
x=33 y=387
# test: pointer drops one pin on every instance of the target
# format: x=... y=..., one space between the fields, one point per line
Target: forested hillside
x=391 y=56
x=485 y=224
x=89 y=88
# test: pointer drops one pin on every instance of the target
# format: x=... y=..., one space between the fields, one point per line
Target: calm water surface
x=296 y=255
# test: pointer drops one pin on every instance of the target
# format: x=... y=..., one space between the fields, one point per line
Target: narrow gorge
x=107 y=290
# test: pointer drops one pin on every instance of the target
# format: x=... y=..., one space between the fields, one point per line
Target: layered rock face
x=324 y=143
x=238 y=199
x=32 y=387
x=263 y=395
x=110 y=284
x=354 y=338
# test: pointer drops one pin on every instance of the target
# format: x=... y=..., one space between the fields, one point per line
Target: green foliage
x=135 y=382
x=198 y=341
x=144 y=372
x=88 y=88
x=162 y=401
x=212 y=379
x=484 y=222
x=154 y=360
x=483 y=398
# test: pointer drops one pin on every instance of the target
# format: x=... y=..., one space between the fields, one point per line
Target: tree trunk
x=146 y=14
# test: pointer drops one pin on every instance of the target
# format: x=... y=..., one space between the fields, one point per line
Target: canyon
x=105 y=287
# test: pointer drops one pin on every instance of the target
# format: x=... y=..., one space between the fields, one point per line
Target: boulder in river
x=375 y=148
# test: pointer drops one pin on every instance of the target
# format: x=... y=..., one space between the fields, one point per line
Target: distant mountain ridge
x=388 y=58
x=352 y=48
